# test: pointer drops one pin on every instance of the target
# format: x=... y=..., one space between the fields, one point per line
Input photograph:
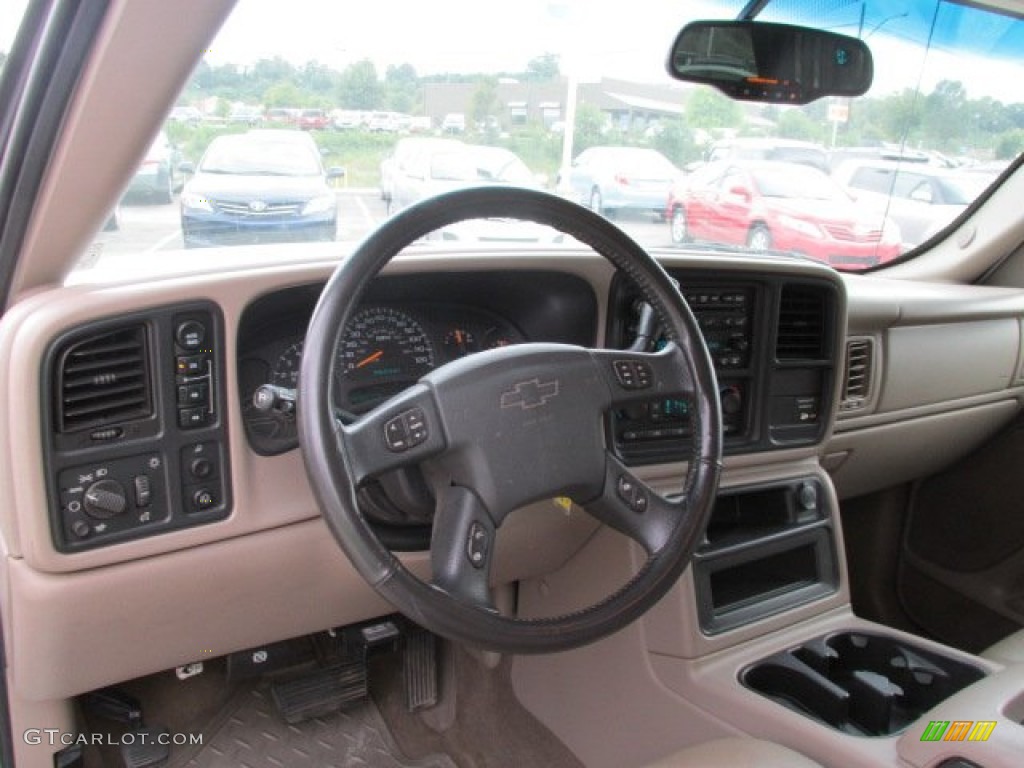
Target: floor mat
x=251 y=734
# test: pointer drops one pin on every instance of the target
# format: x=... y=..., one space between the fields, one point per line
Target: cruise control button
x=477 y=545
x=406 y=430
x=395 y=434
x=631 y=492
x=633 y=374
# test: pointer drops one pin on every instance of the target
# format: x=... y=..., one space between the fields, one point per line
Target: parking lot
x=148 y=228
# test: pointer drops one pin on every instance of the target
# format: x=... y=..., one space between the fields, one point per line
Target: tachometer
x=382 y=351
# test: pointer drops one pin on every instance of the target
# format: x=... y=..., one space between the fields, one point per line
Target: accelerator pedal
x=420 y=669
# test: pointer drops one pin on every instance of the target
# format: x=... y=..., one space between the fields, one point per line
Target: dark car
x=157 y=176
x=259 y=186
x=779 y=206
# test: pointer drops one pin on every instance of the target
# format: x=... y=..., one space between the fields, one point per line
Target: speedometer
x=382 y=351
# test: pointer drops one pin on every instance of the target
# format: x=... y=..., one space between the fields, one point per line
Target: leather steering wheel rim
x=338 y=458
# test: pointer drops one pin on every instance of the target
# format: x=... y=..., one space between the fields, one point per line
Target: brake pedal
x=142 y=746
x=321 y=691
x=420 y=669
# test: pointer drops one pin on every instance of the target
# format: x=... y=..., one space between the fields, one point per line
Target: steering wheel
x=499 y=429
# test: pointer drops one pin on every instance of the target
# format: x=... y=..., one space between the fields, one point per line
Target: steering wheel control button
x=190 y=335
x=406 y=430
x=478 y=544
x=633 y=374
x=631 y=492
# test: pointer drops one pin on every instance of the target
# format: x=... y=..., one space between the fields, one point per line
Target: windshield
x=244 y=155
x=545 y=83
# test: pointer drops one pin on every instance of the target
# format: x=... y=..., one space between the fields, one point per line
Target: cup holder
x=860 y=683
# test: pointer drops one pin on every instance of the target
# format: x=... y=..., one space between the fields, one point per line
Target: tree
x=484 y=101
x=401 y=88
x=795 y=124
x=543 y=68
x=359 y=87
x=1009 y=145
x=708 y=109
x=284 y=94
x=676 y=141
x=591 y=124
x=946 y=115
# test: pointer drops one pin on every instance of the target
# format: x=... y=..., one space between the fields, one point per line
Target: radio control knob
x=104 y=499
x=732 y=401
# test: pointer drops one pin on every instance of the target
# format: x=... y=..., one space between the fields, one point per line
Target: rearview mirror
x=777 y=63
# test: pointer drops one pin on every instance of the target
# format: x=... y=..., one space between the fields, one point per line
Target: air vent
x=802 y=325
x=857 y=385
x=103 y=380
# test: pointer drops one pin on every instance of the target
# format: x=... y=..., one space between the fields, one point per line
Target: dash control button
x=143 y=491
x=190 y=365
x=190 y=335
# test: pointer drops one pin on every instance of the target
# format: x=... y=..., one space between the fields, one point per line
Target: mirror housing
x=775 y=63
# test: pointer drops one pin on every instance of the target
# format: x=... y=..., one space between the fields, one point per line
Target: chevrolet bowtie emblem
x=529 y=394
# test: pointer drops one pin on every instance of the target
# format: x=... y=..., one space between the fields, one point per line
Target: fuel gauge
x=459 y=342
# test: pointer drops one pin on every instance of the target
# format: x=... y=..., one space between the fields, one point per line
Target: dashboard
x=153 y=453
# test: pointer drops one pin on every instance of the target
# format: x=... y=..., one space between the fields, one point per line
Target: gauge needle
x=370 y=358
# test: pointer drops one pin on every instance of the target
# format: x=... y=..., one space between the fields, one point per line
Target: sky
x=628 y=39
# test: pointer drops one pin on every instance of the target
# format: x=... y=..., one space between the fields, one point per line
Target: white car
x=921 y=199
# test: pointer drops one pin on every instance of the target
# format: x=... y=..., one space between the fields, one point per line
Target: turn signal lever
x=280 y=401
x=269 y=398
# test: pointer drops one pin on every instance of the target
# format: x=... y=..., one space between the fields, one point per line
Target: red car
x=779 y=206
x=313 y=120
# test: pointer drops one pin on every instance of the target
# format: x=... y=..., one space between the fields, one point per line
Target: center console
x=767 y=549
x=773 y=343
